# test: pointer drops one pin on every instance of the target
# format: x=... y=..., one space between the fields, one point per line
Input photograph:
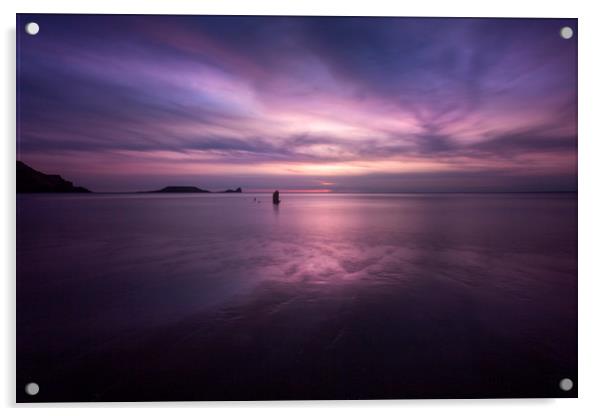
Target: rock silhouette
x=276 y=197
x=31 y=180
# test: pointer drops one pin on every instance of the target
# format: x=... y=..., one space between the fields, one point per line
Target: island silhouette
x=191 y=190
x=179 y=189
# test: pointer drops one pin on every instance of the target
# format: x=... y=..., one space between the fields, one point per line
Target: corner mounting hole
x=32 y=389
x=32 y=28
x=566 y=384
x=566 y=32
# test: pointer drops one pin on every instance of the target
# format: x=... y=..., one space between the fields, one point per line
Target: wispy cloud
x=281 y=96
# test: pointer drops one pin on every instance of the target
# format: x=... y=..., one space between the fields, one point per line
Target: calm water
x=196 y=297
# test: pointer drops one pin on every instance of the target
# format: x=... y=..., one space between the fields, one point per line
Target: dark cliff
x=33 y=181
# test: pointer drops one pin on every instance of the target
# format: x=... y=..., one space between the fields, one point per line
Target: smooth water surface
x=338 y=296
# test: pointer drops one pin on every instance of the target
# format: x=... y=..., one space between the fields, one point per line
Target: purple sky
x=127 y=103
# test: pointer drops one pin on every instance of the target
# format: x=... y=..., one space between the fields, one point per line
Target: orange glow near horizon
x=290 y=191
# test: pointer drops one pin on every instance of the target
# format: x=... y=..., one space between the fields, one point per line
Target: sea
x=129 y=297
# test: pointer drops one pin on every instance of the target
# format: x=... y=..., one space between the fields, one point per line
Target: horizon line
x=305 y=192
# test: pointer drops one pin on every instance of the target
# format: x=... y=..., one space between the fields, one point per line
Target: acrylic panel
x=295 y=208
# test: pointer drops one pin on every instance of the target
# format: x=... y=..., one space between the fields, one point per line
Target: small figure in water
x=276 y=197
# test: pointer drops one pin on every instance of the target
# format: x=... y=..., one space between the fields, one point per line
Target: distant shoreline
x=31 y=181
x=301 y=193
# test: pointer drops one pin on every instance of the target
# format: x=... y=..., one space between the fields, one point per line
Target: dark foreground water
x=205 y=297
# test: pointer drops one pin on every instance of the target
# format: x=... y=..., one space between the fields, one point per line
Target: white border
x=590 y=186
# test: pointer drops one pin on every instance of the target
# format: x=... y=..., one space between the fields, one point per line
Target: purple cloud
x=298 y=100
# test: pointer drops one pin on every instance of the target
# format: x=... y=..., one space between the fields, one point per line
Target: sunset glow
x=359 y=104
